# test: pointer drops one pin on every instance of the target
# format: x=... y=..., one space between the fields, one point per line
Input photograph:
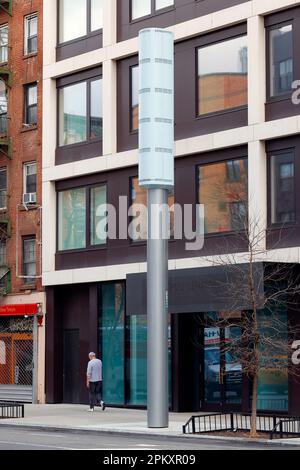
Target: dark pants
x=95 y=393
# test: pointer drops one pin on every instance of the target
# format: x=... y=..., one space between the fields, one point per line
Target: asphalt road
x=11 y=439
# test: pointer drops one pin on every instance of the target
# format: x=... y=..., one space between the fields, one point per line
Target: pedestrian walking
x=94 y=382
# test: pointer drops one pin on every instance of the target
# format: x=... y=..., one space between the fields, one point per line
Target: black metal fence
x=11 y=410
x=275 y=426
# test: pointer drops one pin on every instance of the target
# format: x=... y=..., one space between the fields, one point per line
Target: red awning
x=18 y=310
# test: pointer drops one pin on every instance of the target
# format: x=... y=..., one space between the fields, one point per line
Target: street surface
x=11 y=439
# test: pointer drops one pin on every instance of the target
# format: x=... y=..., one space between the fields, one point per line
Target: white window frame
x=25 y=174
x=26 y=32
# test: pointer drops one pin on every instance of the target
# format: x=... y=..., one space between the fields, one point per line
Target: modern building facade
x=237 y=139
x=22 y=298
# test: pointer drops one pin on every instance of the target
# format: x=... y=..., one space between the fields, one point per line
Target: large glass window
x=140 y=8
x=80 y=112
x=96 y=117
x=112 y=341
x=283 y=198
x=79 y=18
x=96 y=15
x=97 y=216
x=77 y=227
x=134 y=71
x=281 y=60
x=72 y=219
x=138 y=359
x=223 y=190
x=139 y=200
x=223 y=75
x=72 y=114
x=72 y=19
x=3 y=43
x=273 y=374
x=160 y=4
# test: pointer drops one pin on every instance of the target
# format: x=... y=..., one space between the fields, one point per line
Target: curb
x=139 y=435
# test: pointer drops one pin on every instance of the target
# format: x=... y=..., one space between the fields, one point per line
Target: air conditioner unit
x=29 y=198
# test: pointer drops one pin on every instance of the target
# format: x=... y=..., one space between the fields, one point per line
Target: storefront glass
x=123 y=349
x=273 y=375
x=112 y=342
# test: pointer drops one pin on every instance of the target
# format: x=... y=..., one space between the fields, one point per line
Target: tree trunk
x=253 y=432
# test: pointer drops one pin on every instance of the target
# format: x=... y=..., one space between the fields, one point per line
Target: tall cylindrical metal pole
x=157 y=310
x=156 y=174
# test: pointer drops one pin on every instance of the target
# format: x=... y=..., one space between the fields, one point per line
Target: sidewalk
x=75 y=418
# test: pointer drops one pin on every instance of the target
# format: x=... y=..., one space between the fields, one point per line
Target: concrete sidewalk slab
x=76 y=418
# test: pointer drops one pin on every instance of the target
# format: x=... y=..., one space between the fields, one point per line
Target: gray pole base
x=157 y=313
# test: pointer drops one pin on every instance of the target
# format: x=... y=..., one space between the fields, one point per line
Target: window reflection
x=139 y=200
x=134 y=98
x=72 y=108
x=73 y=19
x=72 y=219
x=223 y=189
x=281 y=60
x=223 y=75
x=283 y=188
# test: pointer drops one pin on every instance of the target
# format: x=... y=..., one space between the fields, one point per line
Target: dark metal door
x=71 y=378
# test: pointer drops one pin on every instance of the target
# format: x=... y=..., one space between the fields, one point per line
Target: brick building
x=22 y=296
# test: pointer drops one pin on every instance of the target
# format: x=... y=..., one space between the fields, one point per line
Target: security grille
x=16 y=351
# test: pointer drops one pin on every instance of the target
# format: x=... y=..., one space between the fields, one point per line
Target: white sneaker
x=90 y=410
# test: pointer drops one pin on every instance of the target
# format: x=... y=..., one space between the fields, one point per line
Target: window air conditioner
x=29 y=198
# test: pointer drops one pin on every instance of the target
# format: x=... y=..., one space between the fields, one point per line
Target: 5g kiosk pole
x=156 y=174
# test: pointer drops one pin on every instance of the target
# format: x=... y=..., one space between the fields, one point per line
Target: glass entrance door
x=222 y=375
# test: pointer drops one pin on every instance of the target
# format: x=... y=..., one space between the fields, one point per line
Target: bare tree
x=268 y=288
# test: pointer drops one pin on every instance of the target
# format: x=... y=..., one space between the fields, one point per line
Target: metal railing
x=234 y=422
x=11 y=410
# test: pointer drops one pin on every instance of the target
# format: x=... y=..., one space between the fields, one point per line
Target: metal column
x=157 y=311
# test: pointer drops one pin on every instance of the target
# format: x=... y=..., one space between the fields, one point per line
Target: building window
x=283 y=198
x=223 y=75
x=112 y=341
x=3 y=108
x=30 y=39
x=3 y=188
x=134 y=80
x=29 y=260
x=3 y=43
x=31 y=104
x=281 y=60
x=225 y=199
x=141 y=8
x=3 y=259
x=80 y=112
x=81 y=218
x=79 y=18
x=98 y=233
x=29 y=184
x=139 y=222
